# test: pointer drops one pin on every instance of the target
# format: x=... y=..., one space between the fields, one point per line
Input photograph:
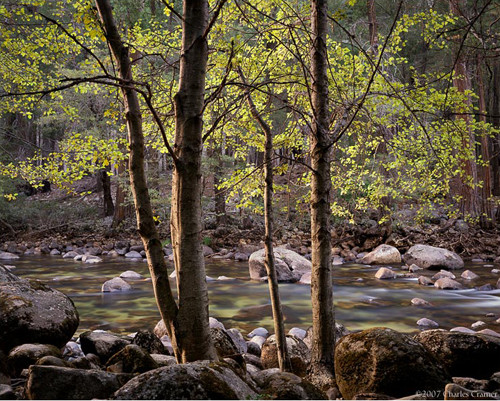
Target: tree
x=323 y=343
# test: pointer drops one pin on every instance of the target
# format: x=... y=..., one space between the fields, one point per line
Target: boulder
x=148 y=341
x=31 y=312
x=50 y=360
x=469 y=275
x=164 y=360
x=70 y=255
x=305 y=279
x=447 y=283
x=259 y=331
x=6 y=276
x=194 y=381
x=131 y=359
x=22 y=356
x=238 y=340
x=442 y=274
x=465 y=355
x=254 y=349
x=382 y=255
x=433 y=258
x=378 y=360
x=213 y=322
x=290 y=266
x=298 y=352
x=427 y=323
x=223 y=342
x=59 y=383
x=8 y=256
x=297 y=332
x=90 y=259
x=133 y=255
x=131 y=275
x=116 y=284
x=103 y=344
x=160 y=329
x=287 y=386
x=384 y=273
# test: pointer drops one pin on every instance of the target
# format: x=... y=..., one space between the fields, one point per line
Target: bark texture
x=145 y=221
x=321 y=277
x=194 y=330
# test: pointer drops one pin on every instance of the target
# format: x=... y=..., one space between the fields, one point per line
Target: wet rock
x=195 y=381
x=55 y=252
x=446 y=283
x=433 y=258
x=287 y=386
x=103 y=344
x=382 y=255
x=70 y=255
x=423 y=280
x=241 y=257
x=90 y=259
x=384 y=273
x=22 y=356
x=223 y=343
x=469 y=275
x=305 y=279
x=290 y=266
x=427 y=323
x=443 y=274
x=131 y=275
x=31 y=312
x=8 y=256
x=148 y=341
x=133 y=255
x=116 y=284
x=466 y=355
x=420 y=302
x=300 y=355
x=71 y=384
x=486 y=287
x=337 y=261
x=379 y=358
x=131 y=359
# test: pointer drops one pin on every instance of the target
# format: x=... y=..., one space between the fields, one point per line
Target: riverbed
x=361 y=300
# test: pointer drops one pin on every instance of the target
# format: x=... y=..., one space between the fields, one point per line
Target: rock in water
x=378 y=360
x=290 y=266
x=194 y=381
x=464 y=355
x=446 y=283
x=8 y=256
x=433 y=258
x=384 y=274
x=116 y=284
x=31 y=312
x=382 y=255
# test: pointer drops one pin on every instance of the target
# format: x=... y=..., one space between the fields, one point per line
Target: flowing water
x=361 y=301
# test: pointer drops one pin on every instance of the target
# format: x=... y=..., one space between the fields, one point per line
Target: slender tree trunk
x=372 y=26
x=272 y=278
x=494 y=112
x=145 y=222
x=322 y=356
x=220 y=199
x=107 y=199
x=467 y=179
x=486 y=217
x=121 y=211
x=195 y=339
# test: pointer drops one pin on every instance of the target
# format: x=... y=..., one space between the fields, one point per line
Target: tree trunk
x=145 y=222
x=121 y=211
x=195 y=339
x=372 y=26
x=104 y=183
x=272 y=278
x=467 y=179
x=321 y=277
x=486 y=217
x=494 y=112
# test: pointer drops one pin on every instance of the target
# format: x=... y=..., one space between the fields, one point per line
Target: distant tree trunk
x=486 y=217
x=105 y=184
x=467 y=179
x=272 y=278
x=322 y=355
x=145 y=222
x=494 y=112
x=121 y=211
x=220 y=199
x=195 y=339
x=372 y=26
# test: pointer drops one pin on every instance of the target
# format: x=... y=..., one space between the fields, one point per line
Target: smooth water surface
x=244 y=304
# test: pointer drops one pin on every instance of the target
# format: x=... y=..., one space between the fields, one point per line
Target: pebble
x=420 y=302
x=469 y=275
x=477 y=325
x=427 y=323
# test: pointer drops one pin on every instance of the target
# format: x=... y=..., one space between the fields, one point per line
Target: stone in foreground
x=433 y=258
x=378 y=361
x=195 y=381
x=382 y=255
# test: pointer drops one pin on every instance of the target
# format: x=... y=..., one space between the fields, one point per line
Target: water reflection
x=361 y=300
